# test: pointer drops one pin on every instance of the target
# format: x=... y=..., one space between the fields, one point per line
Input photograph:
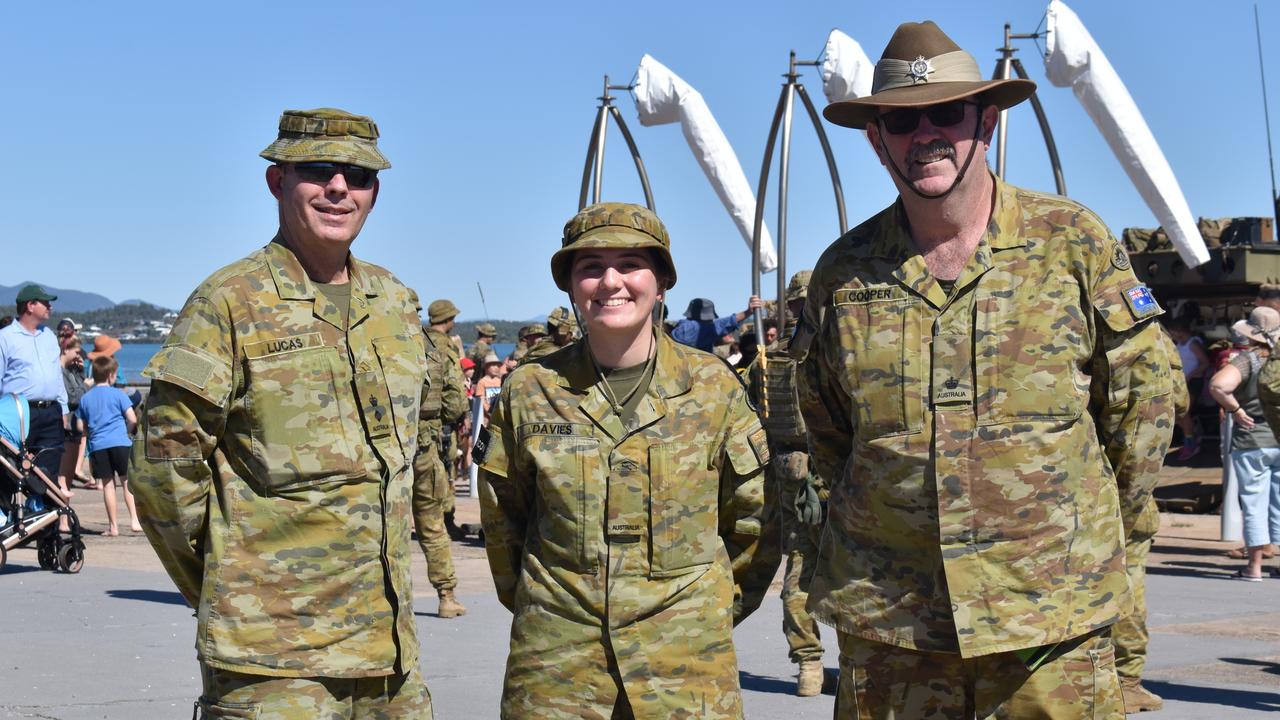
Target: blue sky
x=133 y=128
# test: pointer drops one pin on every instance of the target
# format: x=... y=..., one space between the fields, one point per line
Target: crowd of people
x=952 y=434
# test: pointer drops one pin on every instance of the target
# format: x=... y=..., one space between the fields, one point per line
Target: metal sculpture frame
x=1004 y=65
x=593 y=170
x=782 y=117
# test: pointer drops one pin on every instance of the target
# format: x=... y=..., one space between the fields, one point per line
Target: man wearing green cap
x=984 y=390
x=29 y=367
x=444 y=402
x=273 y=470
x=560 y=328
x=802 y=495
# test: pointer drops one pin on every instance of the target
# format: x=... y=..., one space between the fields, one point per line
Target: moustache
x=933 y=150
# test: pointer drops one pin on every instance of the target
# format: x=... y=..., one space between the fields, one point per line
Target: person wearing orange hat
x=989 y=400
x=104 y=346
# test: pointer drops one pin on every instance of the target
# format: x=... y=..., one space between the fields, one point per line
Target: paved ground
x=115 y=641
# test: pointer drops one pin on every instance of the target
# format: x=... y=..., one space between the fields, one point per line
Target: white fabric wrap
x=1074 y=59
x=661 y=98
x=846 y=69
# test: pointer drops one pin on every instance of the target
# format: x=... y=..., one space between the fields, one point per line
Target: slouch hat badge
x=920 y=69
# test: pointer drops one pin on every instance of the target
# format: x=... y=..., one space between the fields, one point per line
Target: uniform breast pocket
x=1029 y=353
x=881 y=345
x=300 y=420
x=683 y=508
x=404 y=368
x=571 y=498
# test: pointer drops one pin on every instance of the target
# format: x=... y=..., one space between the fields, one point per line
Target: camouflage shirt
x=643 y=531
x=273 y=469
x=980 y=445
x=444 y=396
x=544 y=347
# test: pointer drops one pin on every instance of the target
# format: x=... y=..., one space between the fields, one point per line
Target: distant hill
x=69 y=301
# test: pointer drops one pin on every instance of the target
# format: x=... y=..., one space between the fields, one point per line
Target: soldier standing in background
x=985 y=392
x=802 y=496
x=486 y=333
x=622 y=499
x=530 y=335
x=444 y=402
x=561 y=326
x=272 y=471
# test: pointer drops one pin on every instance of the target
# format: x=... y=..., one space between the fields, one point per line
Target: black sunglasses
x=322 y=172
x=905 y=120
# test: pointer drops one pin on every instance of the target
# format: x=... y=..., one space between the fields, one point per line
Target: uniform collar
x=670 y=379
x=292 y=283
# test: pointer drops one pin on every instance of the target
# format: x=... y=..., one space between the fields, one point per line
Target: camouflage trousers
x=1130 y=632
x=431 y=488
x=799 y=541
x=230 y=694
x=885 y=682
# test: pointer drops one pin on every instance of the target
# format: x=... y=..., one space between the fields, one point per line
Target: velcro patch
x=875 y=293
x=549 y=428
x=760 y=445
x=281 y=345
x=1141 y=302
x=480 y=449
x=187 y=366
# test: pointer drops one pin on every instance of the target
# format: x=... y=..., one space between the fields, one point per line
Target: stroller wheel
x=46 y=554
x=4 y=557
x=71 y=557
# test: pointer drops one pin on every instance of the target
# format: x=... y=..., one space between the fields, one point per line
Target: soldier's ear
x=873 y=137
x=275 y=180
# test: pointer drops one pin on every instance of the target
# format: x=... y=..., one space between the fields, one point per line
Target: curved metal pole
x=1049 y=144
x=831 y=158
x=599 y=169
x=784 y=171
x=760 y=195
x=635 y=155
x=586 y=169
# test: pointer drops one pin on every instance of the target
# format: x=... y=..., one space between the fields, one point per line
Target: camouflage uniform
x=625 y=552
x=1141 y=523
x=976 y=490
x=272 y=472
x=444 y=400
x=559 y=321
x=791 y=471
x=482 y=346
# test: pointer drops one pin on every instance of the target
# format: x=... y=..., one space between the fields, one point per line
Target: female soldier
x=622 y=499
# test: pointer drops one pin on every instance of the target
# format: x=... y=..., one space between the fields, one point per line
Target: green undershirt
x=340 y=296
x=629 y=385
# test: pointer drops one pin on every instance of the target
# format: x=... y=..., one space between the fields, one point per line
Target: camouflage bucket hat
x=532 y=329
x=561 y=319
x=440 y=311
x=487 y=329
x=613 y=225
x=919 y=67
x=327 y=135
x=798 y=288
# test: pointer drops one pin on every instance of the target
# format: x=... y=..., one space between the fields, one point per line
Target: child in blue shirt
x=106 y=416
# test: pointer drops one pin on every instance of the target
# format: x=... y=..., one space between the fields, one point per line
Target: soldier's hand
x=754 y=303
x=808 y=504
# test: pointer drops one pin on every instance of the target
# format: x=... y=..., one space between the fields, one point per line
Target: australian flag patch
x=1141 y=302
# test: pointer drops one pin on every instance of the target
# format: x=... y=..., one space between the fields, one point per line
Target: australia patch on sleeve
x=1141 y=302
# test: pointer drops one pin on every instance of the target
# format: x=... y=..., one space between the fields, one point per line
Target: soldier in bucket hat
x=622 y=499
x=986 y=394
x=274 y=468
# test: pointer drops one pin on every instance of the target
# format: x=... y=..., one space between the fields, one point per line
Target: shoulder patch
x=760 y=445
x=480 y=450
x=187 y=366
x=1120 y=258
x=1141 y=302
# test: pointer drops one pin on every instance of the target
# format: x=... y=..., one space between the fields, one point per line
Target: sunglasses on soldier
x=322 y=172
x=905 y=120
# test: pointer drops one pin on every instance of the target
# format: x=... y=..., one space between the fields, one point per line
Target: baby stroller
x=32 y=505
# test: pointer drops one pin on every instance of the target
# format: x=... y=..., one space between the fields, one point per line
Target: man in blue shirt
x=29 y=367
x=701 y=328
